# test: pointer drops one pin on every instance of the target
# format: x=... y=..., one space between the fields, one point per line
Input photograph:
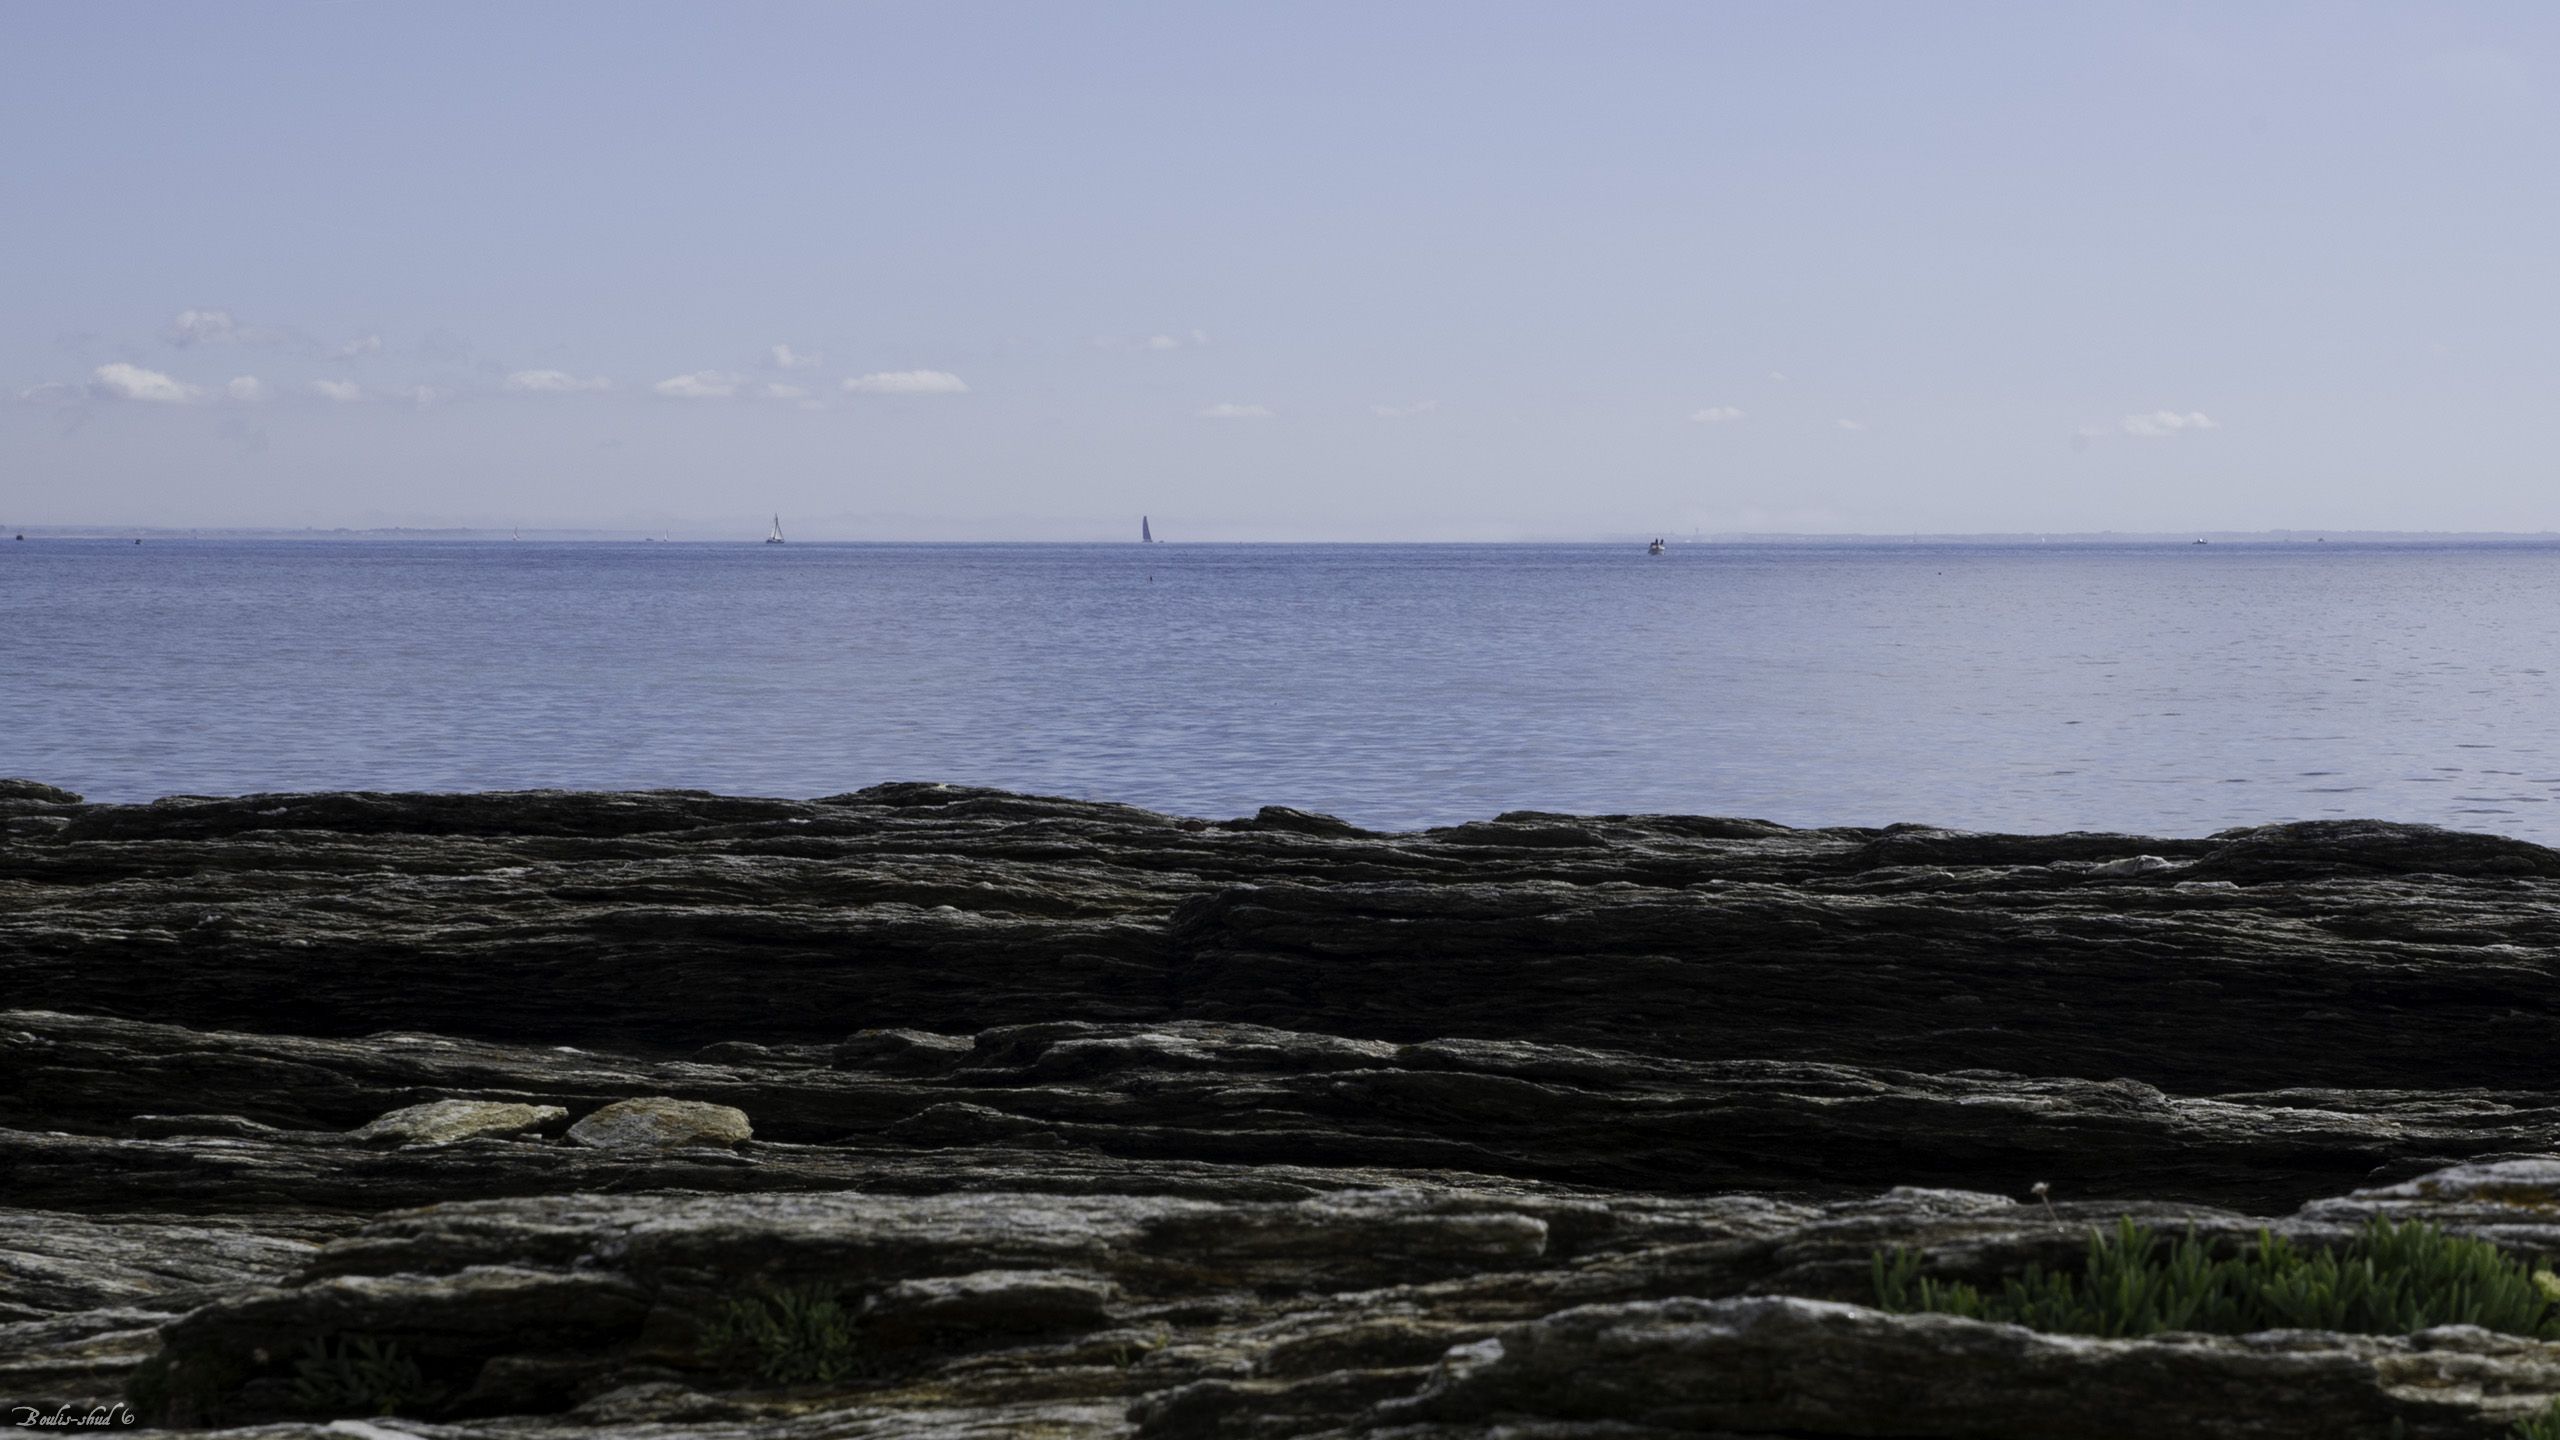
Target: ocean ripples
x=2024 y=688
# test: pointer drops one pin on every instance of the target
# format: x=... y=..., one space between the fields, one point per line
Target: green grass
x=2389 y=1279
x=2545 y=1426
x=797 y=1335
x=358 y=1376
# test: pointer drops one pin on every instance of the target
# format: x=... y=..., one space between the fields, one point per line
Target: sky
x=1428 y=271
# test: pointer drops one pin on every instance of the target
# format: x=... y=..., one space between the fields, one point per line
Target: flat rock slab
x=1764 y=1365
x=2348 y=954
x=442 y=1122
x=1221 y=1094
x=657 y=1122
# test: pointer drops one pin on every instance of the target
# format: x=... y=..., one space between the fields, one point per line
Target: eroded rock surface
x=1067 y=1118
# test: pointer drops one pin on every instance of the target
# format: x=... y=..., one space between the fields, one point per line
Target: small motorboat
x=1655 y=548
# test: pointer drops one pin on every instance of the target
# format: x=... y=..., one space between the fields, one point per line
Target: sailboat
x=776 y=537
x=1146 y=533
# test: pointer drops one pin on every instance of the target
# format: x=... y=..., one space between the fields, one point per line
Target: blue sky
x=1462 y=271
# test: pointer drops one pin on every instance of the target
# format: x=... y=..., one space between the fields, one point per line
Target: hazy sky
x=1459 y=270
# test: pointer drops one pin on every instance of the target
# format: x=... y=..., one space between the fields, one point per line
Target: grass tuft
x=358 y=1376
x=797 y=1335
x=2390 y=1279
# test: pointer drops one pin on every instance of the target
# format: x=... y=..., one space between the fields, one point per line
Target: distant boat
x=1146 y=533
x=2200 y=540
x=776 y=537
x=1655 y=548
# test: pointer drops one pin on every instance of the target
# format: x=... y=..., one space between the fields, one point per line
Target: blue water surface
x=2171 y=689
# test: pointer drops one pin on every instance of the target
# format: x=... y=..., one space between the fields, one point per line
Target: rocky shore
x=543 y=1114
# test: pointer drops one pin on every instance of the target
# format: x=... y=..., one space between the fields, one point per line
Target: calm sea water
x=2171 y=689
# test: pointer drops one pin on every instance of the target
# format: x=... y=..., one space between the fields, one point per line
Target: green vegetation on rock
x=2545 y=1426
x=358 y=1376
x=2390 y=1279
x=796 y=1335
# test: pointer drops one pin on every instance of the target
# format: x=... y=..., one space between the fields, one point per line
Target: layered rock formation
x=510 y=1111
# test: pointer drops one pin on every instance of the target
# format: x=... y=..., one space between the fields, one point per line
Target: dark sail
x=1146 y=536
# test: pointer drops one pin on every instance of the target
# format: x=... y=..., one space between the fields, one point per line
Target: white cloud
x=554 y=382
x=2160 y=424
x=786 y=358
x=787 y=392
x=1403 y=412
x=53 y=392
x=362 y=345
x=1778 y=375
x=221 y=327
x=246 y=388
x=197 y=327
x=132 y=382
x=907 y=382
x=1717 y=414
x=1229 y=410
x=345 y=392
x=700 y=385
x=1847 y=424
x=1163 y=342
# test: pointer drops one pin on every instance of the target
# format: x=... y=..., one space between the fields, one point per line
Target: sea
x=2165 y=689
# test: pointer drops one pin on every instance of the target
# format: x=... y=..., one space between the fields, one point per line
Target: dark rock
x=901 y=1052
x=1195 y=1092
x=1302 y=822
x=2326 y=954
x=1079 y=1120
x=1807 y=1367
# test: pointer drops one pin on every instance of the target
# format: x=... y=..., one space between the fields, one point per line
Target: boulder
x=658 y=1123
x=442 y=1122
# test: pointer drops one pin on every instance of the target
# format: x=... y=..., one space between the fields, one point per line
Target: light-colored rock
x=994 y=1302
x=656 y=1122
x=2132 y=865
x=442 y=1122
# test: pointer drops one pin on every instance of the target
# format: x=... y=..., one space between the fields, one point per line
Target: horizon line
x=691 y=535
